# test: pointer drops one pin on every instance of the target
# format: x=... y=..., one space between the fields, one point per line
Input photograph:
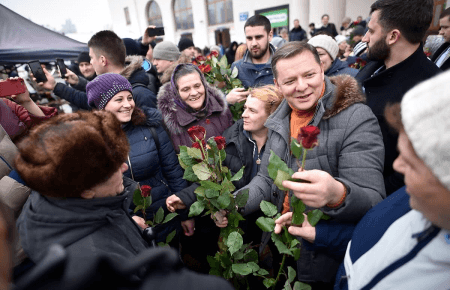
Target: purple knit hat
x=104 y=87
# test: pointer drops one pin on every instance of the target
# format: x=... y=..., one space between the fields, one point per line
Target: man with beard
x=398 y=64
x=442 y=56
x=254 y=68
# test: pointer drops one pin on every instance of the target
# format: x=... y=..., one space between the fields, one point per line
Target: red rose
x=201 y=58
x=214 y=53
x=197 y=133
x=205 y=68
x=145 y=190
x=208 y=121
x=195 y=63
x=308 y=137
x=220 y=141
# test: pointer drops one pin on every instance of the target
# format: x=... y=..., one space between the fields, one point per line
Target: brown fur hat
x=71 y=153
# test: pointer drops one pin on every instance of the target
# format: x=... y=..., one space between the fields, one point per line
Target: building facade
x=209 y=22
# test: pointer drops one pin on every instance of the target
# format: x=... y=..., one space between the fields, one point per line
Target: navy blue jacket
x=249 y=75
x=297 y=34
x=339 y=67
x=159 y=169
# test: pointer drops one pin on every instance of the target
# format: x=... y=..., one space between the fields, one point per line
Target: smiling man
x=254 y=68
x=398 y=64
x=345 y=169
x=442 y=56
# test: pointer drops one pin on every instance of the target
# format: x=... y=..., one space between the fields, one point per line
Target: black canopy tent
x=21 y=40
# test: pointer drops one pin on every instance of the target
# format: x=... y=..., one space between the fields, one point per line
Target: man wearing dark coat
x=398 y=64
x=442 y=56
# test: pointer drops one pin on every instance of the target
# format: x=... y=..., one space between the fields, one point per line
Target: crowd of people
x=380 y=171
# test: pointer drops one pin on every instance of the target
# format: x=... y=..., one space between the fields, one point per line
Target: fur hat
x=71 y=153
x=185 y=43
x=425 y=117
x=104 y=87
x=327 y=43
x=166 y=50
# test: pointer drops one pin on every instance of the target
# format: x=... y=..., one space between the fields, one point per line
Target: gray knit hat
x=425 y=117
x=104 y=87
x=166 y=50
x=325 y=42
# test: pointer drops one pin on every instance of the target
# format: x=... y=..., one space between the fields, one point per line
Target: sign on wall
x=243 y=16
x=278 y=16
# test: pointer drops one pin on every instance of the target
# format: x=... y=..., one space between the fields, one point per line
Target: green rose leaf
x=325 y=217
x=223 y=71
x=234 y=73
x=202 y=171
x=185 y=158
x=269 y=282
x=227 y=186
x=194 y=153
x=296 y=253
x=234 y=242
x=211 y=193
x=213 y=263
x=301 y=286
x=242 y=198
x=280 y=245
x=241 y=269
x=263 y=272
x=265 y=224
x=299 y=208
x=291 y=274
x=294 y=242
x=159 y=215
x=251 y=256
x=200 y=191
x=189 y=175
x=296 y=148
x=268 y=208
x=314 y=216
x=238 y=256
x=139 y=207
x=275 y=164
x=281 y=176
x=223 y=155
x=253 y=266
x=238 y=175
x=196 y=208
x=224 y=62
x=148 y=201
x=149 y=223
x=170 y=236
x=287 y=286
x=169 y=217
x=137 y=198
x=224 y=200
x=210 y=184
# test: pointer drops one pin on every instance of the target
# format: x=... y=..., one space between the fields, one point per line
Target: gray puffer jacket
x=350 y=149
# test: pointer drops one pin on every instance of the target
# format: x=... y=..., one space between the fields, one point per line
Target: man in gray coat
x=345 y=169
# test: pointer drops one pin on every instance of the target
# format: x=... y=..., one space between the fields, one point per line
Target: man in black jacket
x=328 y=27
x=297 y=33
x=394 y=40
x=442 y=56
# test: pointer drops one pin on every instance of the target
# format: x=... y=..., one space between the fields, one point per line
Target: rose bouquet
x=219 y=74
x=202 y=163
x=359 y=64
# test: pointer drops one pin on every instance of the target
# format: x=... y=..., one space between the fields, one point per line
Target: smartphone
x=38 y=72
x=62 y=67
x=12 y=87
x=157 y=31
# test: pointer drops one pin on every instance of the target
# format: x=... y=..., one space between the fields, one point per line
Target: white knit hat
x=340 y=38
x=326 y=42
x=425 y=116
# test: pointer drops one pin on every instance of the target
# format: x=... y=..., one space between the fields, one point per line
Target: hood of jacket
x=173 y=108
x=45 y=221
x=337 y=65
x=133 y=70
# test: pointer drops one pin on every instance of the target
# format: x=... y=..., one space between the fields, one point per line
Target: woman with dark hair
x=152 y=160
x=188 y=100
x=231 y=52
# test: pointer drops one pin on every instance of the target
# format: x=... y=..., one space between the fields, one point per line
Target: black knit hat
x=71 y=153
x=84 y=57
x=185 y=43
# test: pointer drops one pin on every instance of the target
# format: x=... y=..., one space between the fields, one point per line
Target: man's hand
x=322 y=190
x=140 y=222
x=71 y=78
x=188 y=227
x=220 y=218
x=50 y=83
x=237 y=95
x=173 y=203
x=306 y=231
x=147 y=39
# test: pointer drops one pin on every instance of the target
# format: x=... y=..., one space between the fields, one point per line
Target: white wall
x=355 y=8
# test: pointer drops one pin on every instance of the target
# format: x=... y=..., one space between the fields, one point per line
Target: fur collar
x=347 y=92
x=133 y=63
x=146 y=116
x=170 y=111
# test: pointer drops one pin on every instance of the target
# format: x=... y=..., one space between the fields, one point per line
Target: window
x=220 y=11
x=154 y=14
x=127 y=15
x=183 y=14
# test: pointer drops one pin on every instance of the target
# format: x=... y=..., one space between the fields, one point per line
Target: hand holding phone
x=38 y=73
x=157 y=31
x=12 y=86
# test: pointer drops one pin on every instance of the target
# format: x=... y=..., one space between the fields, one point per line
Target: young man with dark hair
x=108 y=55
x=254 y=68
x=442 y=55
x=345 y=169
x=398 y=64
x=328 y=27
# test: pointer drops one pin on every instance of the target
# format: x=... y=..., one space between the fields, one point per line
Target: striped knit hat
x=104 y=87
